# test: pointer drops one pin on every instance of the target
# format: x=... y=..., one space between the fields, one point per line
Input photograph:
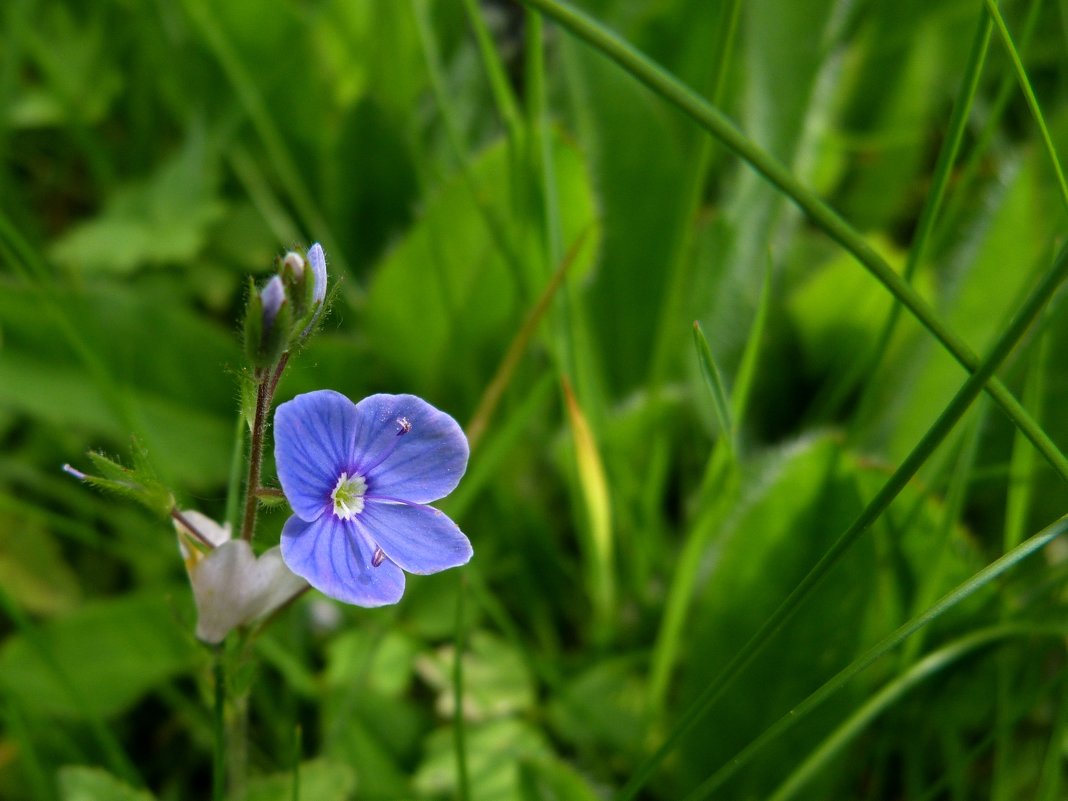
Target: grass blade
x=934 y=437
x=926 y=668
x=947 y=602
x=717 y=124
x=714 y=381
x=1029 y=94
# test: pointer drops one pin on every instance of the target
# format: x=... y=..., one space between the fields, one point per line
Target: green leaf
x=385 y=666
x=98 y=660
x=161 y=220
x=603 y=706
x=714 y=382
x=81 y=783
x=553 y=780
x=837 y=311
x=33 y=570
x=165 y=362
x=447 y=289
x=496 y=681
x=981 y=281
x=320 y=780
x=789 y=508
x=494 y=754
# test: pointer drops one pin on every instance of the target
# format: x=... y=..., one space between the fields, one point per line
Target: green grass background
x=524 y=234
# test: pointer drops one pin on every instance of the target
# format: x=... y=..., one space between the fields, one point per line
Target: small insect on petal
x=379 y=557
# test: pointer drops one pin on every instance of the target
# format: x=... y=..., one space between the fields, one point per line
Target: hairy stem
x=264 y=397
x=255 y=461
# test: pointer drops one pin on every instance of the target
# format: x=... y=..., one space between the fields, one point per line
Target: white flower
x=231 y=586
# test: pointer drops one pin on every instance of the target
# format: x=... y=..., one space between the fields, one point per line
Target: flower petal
x=422 y=465
x=232 y=588
x=313 y=444
x=337 y=560
x=420 y=539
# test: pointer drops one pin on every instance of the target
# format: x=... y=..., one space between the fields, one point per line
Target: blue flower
x=358 y=477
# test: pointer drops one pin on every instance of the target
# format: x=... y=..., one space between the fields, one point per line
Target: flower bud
x=268 y=323
x=312 y=291
x=317 y=259
x=273 y=296
x=293 y=265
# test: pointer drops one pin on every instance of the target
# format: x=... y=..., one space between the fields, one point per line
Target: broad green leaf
x=74 y=56
x=906 y=56
x=99 y=659
x=494 y=753
x=33 y=570
x=838 y=311
x=83 y=783
x=157 y=367
x=496 y=681
x=383 y=664
x=791 y=506
x=447 y=289
x=602 y=706
x=376 y=736
x=791 y=82
x=980 y=283
x=554 y=780
x=161 y=220
x=320 y=780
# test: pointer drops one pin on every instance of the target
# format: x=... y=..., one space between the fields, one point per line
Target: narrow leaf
x=715 y=384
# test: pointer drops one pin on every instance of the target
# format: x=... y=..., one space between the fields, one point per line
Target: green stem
x=264 y=397
x=218 y=776
x=255 y=460
x=715 y=122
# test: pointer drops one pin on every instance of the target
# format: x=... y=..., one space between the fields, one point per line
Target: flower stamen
x=379 y=556
x=348 y=496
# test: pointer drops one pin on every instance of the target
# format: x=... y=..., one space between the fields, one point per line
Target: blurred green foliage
x=154 y=154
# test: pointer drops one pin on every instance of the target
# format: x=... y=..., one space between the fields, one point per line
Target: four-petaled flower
x=359 y=477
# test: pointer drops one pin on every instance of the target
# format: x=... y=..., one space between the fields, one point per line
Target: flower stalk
x=279 y=317
x=255 y=460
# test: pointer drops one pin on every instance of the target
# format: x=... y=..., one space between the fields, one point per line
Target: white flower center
x=348 y=496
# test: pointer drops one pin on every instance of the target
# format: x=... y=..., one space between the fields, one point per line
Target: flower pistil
x=348 y=496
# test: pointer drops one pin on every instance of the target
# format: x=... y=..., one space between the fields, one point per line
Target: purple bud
x=273 y=296
x=317 y=260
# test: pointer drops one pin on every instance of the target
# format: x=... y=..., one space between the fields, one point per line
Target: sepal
x=139 y=483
